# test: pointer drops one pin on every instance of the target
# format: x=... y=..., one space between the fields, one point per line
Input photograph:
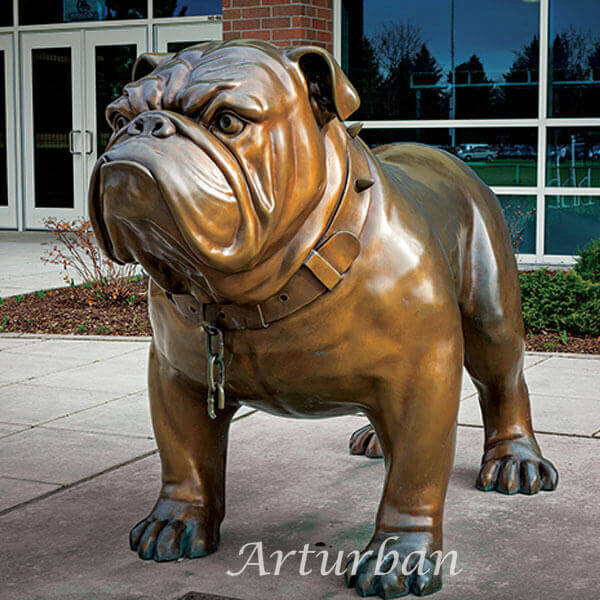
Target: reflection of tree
x=521 y=100
x=366 y=76
x=427 y=72
x=403 y=64
x=474 y=92
x=397 y=45
x=168 y=8
x=126 y=9
x=575 y=74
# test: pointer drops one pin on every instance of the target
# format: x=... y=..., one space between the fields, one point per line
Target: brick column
x=281 y=22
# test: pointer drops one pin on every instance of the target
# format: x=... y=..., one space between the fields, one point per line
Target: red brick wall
x=282 y=22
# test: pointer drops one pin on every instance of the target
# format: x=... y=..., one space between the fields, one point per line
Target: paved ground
x=21 y=268
x=78 y=468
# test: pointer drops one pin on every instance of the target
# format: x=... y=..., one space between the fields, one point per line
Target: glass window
x=574 y=59
x=6 y=13
x=187 y=8
x=499 y=156
x=573 y=157
x=52 y=122
x=179 y=46
x=114 y=65
x=404 y=58
x=520 y=213
x=32 y=12
x=571 y=222
x=3 y=154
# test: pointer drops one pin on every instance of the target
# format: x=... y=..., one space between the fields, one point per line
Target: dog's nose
x=152 y=124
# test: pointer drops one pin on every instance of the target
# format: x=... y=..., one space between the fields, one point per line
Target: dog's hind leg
x=512 y=460
x=186 y=518
x=494 y=355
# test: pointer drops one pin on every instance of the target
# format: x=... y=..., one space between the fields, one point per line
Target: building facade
x=511 y=87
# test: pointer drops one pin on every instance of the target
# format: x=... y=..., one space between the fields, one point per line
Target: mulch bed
x=67 y=311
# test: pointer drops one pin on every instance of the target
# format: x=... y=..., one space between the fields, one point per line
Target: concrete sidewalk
x=22 y=269
x=78 y=468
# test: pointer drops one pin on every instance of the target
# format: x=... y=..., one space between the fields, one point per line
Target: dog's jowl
x=330 y=280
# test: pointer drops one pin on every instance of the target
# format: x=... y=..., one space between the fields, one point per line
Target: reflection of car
x=595 y=153
x=517 y=151
x=564 y=152
x=475 y=152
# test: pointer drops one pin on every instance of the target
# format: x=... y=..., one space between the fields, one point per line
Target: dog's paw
x=175 y=529
x=397 y=566
x=516 y=466
x=364 y=442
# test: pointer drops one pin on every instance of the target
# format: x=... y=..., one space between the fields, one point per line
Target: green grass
x=566 y=174
x=506 y=172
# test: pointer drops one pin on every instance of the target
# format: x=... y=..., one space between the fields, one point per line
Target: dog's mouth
x=133 y=224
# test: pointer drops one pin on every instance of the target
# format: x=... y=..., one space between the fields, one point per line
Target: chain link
x=215 y=375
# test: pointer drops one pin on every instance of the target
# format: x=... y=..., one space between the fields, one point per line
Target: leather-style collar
x=323 y=269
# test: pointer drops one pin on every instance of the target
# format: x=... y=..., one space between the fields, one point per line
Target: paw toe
x=530 y=477
x=148 y=539
x=509 y=477
x=136 y=533
x=549 y=475
x=486 y=479
x=169 y=543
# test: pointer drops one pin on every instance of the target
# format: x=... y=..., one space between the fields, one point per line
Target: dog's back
x=462 y=210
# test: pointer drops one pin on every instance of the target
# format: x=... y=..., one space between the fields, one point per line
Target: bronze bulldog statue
x=329 y=280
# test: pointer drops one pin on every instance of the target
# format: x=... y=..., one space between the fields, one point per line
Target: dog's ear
x=147 y=62
x=331 y=92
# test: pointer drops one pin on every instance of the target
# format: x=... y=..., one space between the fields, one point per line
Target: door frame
x=34 y=217
x=122 y=36
x=9 y=214
x=183 y=32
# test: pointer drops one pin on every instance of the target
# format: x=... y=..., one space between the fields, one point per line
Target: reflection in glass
x=573 y=157
x=178 y=46
x=6 y=13
x=114 y=65
x=32 y=12
x=521 y=220
x=574 y=59
x=404 y=58
x=499 y=156
x=571 y=222
x=187 y=8
x=3 y=155
x=52 y=122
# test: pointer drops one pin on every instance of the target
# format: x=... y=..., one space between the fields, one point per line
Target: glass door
x=68 y=79
x=53 y=140
x=173 y=38
x=8 y=208
x=110 y=56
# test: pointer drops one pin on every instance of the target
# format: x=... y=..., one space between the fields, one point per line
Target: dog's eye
x=228 y=123
x=119 y=122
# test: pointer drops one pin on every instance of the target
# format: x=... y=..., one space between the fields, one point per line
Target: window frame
x=541 y=123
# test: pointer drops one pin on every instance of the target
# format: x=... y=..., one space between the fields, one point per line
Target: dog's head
x=219 y=154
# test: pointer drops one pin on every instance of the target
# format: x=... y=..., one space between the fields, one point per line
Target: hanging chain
x=215 y=375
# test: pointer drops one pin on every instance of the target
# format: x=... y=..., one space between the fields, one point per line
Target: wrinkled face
x=217 y=155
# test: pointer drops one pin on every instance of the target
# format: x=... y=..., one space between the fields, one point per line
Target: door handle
x=72 y=141
x=90 y=138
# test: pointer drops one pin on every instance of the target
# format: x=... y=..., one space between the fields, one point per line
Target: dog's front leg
x=186 y=518
x=417 y=429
